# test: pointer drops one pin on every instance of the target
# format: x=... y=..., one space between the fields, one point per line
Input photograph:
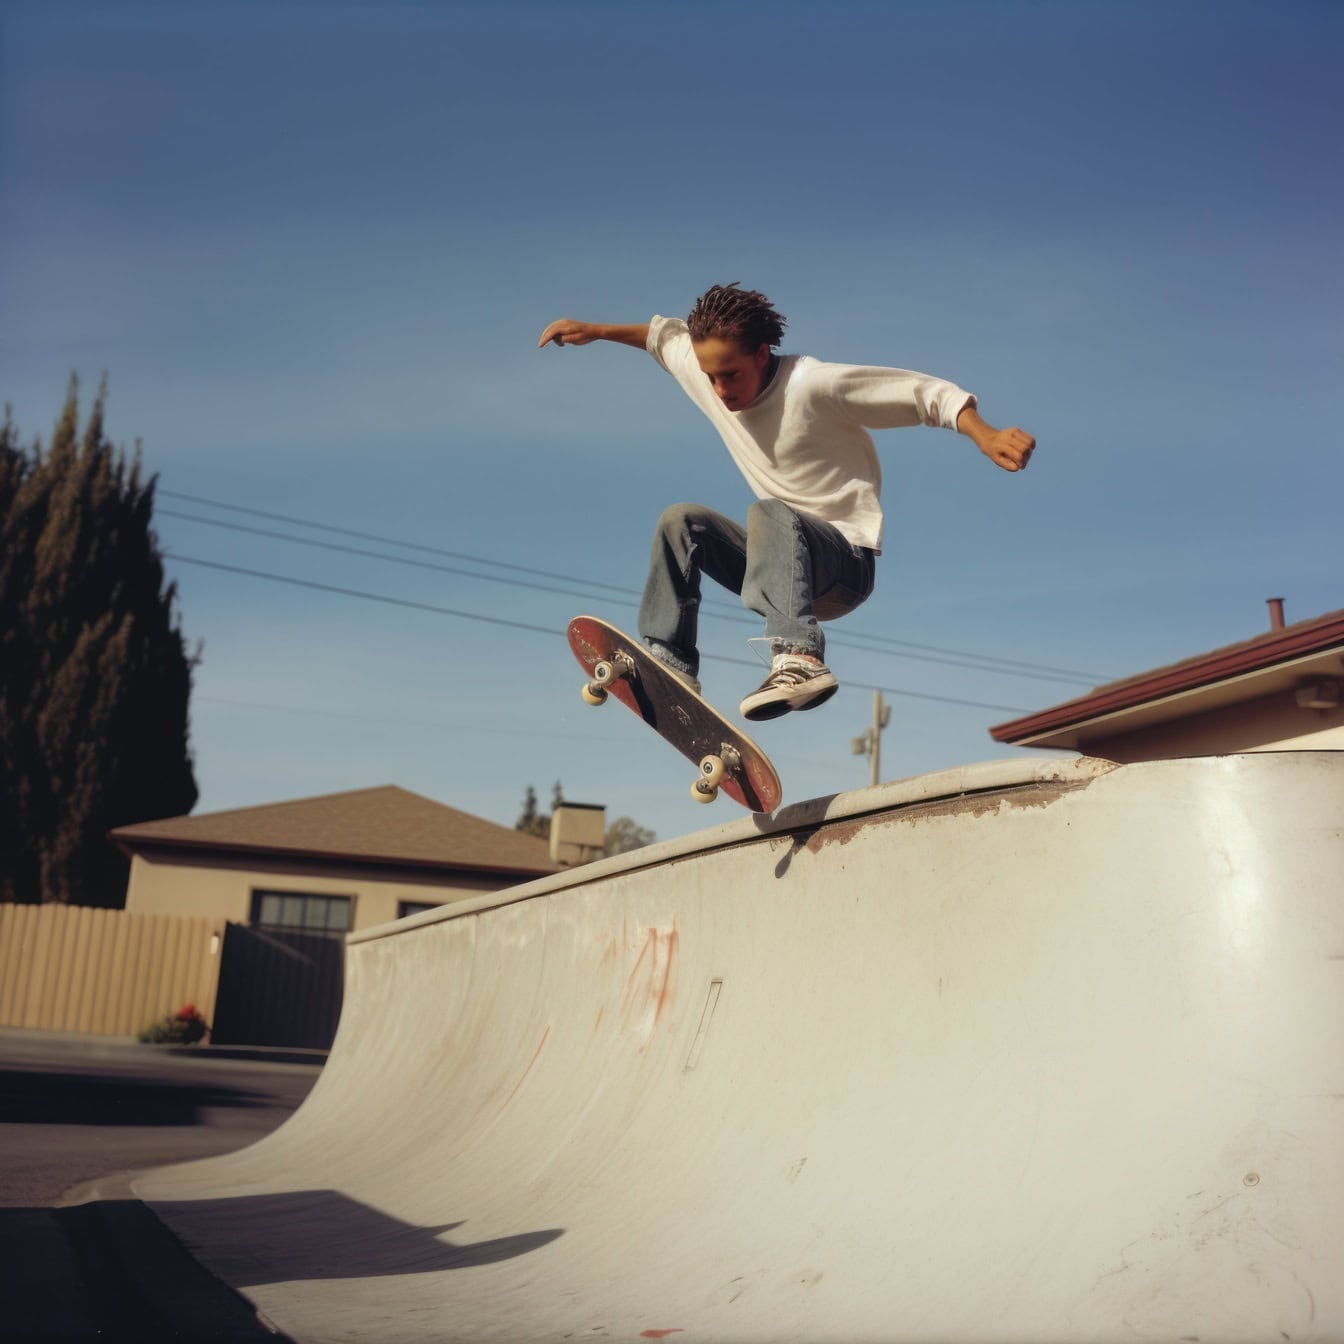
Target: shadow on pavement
x=37 y=1097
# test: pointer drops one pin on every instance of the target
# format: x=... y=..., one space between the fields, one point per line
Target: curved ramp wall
x=1019 y=1052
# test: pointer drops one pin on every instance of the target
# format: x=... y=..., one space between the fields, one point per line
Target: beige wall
x=76 y=968
x=188 y=883
x=1271 y=723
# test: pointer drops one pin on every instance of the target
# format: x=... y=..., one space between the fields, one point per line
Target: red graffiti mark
x=665 y=989
x=649 y=988
x=632 y=980
x=659 y=1334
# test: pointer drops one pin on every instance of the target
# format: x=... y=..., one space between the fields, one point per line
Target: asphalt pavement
x=83 y=1259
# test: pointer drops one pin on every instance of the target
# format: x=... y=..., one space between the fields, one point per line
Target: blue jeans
x=795 y=570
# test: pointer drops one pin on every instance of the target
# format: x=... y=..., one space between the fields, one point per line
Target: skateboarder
x=797 y=429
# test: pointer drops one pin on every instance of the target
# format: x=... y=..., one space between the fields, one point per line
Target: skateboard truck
x=605 y=672
x=712 y=770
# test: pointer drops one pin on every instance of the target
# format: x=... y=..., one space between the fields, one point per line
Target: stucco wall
x=1270 y=723
x=183 y=883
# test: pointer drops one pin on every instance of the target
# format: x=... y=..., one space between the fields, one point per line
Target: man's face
x=736 y=375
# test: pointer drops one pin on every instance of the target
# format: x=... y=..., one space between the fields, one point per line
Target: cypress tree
x=17 y=868
x=95 y=679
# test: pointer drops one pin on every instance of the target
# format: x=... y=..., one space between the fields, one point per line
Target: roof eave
x=1051 y=727
x=129 y=845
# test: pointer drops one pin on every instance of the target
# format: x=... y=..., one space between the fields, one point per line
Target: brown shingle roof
x=382 y=825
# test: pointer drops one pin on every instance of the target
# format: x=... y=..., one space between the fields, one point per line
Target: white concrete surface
x=1035 y=1052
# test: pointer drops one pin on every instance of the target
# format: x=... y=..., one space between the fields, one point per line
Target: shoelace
x=792 y=674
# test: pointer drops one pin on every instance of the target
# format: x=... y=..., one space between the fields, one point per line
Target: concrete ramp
x=1037 y=1052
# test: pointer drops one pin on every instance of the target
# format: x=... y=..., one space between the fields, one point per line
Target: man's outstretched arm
x=566 y=331
x=1010 y=449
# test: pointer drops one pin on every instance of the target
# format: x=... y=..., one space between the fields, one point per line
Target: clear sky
x=312 y=246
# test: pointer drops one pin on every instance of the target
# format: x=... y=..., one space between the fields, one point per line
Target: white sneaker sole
x=771 y=705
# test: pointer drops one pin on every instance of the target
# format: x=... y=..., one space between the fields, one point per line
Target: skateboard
x=620 y=665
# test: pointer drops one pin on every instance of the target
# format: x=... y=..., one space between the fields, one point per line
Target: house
x=1280 y=691
x=329 y=864
x=282 y=884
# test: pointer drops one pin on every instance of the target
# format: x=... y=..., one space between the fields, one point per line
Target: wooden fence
x=105 y=972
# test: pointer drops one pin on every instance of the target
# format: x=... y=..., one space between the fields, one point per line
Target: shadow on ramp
x=323 y=1234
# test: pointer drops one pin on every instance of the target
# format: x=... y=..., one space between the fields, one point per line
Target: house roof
x=1275 y=660
x=386 y=825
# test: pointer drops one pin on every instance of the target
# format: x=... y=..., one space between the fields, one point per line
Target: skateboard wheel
x=593 y=694
x=702 y=792
x=604 y=672
x=712 y=771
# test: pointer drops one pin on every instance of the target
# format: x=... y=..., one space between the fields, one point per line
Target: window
x=301 y=913
x=405 y=908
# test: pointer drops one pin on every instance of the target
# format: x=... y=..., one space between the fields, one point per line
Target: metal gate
x=279 y=987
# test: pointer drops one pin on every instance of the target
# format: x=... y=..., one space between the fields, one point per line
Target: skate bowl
x=1037 y=1051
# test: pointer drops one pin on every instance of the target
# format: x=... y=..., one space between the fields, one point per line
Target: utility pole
x=870 y=743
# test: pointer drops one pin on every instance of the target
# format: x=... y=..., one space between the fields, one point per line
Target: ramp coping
x=985 y=777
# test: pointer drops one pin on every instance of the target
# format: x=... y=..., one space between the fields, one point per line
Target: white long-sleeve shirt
x=804 y=440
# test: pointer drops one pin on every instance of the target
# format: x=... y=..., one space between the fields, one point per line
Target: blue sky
x=312 y=246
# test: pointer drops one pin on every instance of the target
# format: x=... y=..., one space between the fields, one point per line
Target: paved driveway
x=84 y=1259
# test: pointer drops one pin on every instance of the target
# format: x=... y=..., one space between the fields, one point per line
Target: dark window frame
x=301 y=911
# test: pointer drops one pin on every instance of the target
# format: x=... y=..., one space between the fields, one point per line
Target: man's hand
x=1010 y=449
x=566 y=331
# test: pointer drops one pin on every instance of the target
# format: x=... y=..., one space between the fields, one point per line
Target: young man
x=797 y=429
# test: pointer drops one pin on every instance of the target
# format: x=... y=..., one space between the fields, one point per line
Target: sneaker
x=793 y=683
x=686 y=679
x=665 y=657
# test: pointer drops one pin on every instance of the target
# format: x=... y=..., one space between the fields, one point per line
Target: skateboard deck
x=620 y=665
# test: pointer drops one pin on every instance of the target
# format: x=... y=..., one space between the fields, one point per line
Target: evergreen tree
x=531 y=822
x=17 y=871
x=95 y=679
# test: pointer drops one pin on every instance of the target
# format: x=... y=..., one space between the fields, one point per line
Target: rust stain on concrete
x=649 y=986
x=972 y=804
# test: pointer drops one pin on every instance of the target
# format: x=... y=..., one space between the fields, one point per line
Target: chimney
x=578 y=833
x=1275 y=612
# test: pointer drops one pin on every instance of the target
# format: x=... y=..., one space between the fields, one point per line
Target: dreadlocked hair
x=733 y=314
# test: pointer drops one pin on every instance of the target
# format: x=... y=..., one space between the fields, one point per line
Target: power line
x=736 y=615
x=718 y=610
x=551 y=633
x=396 y=541
x=530 y=732
x=355 y=592
x=375 y=555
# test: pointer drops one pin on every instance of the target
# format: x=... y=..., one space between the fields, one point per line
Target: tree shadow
x=323 y=1234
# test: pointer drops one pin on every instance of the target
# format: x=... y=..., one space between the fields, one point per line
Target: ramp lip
x=985 y=777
